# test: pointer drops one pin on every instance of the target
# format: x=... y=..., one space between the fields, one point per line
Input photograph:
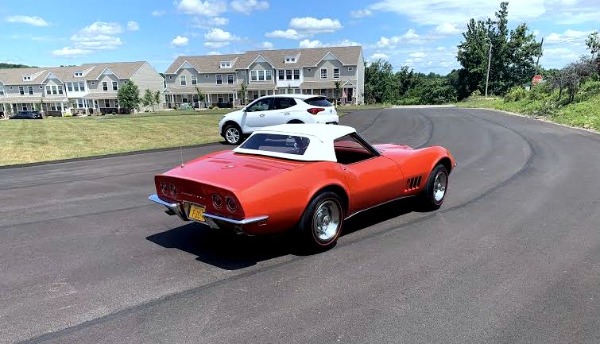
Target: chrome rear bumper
x=180 y=210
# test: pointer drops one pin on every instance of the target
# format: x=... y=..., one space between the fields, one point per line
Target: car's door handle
x=286 y=114
x=262 y=115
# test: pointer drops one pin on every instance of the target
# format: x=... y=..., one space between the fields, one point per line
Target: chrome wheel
x=232 y=135
x=327 y=220
x=439 y=186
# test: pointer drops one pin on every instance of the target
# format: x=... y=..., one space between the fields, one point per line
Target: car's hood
x=390 y=147
x=232 y=171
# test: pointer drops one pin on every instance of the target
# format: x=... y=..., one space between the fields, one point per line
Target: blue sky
x=421 y=34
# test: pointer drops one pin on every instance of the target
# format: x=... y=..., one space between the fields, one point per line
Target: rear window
x=277 y=143
x=318 y=101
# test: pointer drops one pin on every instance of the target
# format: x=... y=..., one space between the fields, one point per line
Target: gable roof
x=307 y=57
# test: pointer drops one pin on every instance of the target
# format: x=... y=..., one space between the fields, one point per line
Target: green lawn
x=28 y=141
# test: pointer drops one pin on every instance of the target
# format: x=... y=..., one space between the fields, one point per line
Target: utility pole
x=487 y=78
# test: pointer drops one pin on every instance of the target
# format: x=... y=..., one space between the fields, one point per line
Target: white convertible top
x=320 y=147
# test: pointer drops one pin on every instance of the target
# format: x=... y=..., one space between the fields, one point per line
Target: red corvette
x=307 y=177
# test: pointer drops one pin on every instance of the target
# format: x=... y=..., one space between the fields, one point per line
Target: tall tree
x=129 y=95
x=148 y=99
x=157 y=97
x=379 y=82
x=512 y=59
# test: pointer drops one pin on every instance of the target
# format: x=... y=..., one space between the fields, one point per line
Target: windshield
x=277 y=143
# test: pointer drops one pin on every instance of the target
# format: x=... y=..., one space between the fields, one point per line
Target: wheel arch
x=338 y=190
x=228 y=123
x=446 y=162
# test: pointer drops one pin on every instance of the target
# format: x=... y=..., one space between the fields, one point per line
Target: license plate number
x=197 y=212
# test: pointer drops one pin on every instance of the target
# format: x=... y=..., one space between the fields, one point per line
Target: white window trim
x=321 y=73
x=338 y=73
x=217 y=79
x=350 y=69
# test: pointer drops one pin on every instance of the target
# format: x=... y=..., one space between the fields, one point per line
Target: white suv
x=276 y=109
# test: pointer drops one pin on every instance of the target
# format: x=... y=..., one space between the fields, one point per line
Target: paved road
x=513 y=256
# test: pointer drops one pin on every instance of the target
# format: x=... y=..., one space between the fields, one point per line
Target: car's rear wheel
x=435 y=190
x=233 y=134
x=321 y=223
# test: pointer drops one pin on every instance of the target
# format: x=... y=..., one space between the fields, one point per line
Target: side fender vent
x=413 y=183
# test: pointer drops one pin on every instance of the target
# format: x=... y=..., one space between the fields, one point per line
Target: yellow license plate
x=197 y=212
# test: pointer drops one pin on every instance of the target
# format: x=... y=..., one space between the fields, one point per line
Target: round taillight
x=163 y=188
x=217 y=201
x=172 y=190
x=231 y=205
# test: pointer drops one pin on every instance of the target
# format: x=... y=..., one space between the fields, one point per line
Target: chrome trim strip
x=237 y=222
x=178 y=209
x=378 y=205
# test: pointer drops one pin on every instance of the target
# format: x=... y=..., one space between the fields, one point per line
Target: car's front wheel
x=435 y=190
x=321 y=223
x=233 y=134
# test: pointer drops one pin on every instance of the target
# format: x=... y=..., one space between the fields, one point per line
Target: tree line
x=494 y=60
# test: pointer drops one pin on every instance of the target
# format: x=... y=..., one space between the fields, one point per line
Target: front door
x=259 y=114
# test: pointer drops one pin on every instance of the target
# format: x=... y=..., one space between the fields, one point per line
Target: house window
x=288 y=74
x=230 y=79
x=80 y=103
x=104 y=86
x=69 y=87
x=115 y=86
x=30 y=90
x=78 y=74
x=296 y=74
x=309 y=69
x=106 y=103
x=268 y=75
x=54 y=90
x=93 y=83
x=254 y=75
x=182 y=80
x=26 y=78
x=76 y=87
x=336 y=73
x=48 y=90
x=60 y=90
x=281 y=74
x=225 y=64
x=1 y=90
x=323 y=73
x=21 y=90
x=194 y=80
x=82 y=86
x=350 y=69
x=219 y=78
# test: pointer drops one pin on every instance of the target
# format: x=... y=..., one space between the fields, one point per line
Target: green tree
x=380 y=85
x=157 y=98
x=337 y=91
x=129 y=96
x=513 y=55
x=243 y=92
x=148 y=99
x=593 y=45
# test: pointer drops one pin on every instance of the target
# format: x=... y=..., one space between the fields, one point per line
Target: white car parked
x=276 y=109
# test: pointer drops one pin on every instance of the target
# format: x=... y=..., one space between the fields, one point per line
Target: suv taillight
x=314 y=111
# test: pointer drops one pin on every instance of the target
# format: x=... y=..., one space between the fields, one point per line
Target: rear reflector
x=314 y=111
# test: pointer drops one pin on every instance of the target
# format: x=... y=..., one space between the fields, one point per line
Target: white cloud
x=96 y=42
x=133 y=26
x=217 y=38
x=158 y=13
x=288 y=34
x=361 y=13
x=310 y=44
x=267 y=45
x=202 y=8
x=218 y=35
x=314 y=25
x=567 y=36
x=102 y=28
x=247 y=6
x=207 y=23
x=70 y=52
x=379 y=56
x=410 y=37
x=180 y=41
x=35 y=21
x=417 y=55
x=447 y=29
x=346 y=42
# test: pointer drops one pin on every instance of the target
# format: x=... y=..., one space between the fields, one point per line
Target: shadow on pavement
x=229 y=251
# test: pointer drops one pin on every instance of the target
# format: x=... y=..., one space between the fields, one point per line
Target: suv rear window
x=318 y=101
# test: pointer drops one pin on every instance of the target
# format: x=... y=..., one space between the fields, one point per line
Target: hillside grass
x=50 y=139
x=583 y=112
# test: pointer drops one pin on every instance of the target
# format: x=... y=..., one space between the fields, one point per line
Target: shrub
x=588 y=90
x=515 y=94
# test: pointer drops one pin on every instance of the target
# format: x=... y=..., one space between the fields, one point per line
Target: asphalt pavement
x=513 y=255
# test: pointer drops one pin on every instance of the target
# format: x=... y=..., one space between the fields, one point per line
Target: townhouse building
x=235 y=79
x=89 y=88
